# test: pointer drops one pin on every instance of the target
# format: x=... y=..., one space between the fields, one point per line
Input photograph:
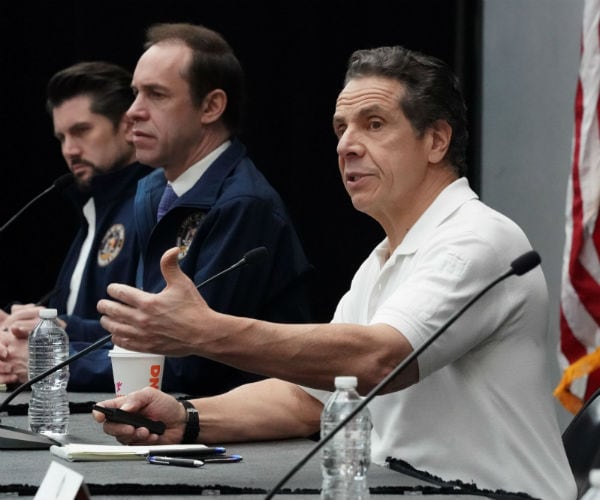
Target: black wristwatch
x=192 y=424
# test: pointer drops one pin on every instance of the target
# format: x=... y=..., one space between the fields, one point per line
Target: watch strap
x=192 y=424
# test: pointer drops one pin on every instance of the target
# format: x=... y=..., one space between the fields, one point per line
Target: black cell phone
x=124 y=417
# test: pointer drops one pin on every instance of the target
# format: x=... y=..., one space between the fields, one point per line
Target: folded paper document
x=77 y=452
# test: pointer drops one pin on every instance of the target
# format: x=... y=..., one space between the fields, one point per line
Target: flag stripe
x=570 y=346
x=580 y=290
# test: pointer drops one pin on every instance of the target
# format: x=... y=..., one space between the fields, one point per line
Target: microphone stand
x=59 y=184
x=34 y=440
x=519 y=266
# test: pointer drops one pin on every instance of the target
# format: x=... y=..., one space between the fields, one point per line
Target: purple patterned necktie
x=168 y=198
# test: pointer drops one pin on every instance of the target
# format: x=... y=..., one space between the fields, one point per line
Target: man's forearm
x=269 y=409
x=311 y=354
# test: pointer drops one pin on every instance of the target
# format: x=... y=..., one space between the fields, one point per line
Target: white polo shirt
x=482 y=410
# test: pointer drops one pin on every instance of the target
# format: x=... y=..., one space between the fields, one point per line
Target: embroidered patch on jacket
x=111 y=244
x=187 y=231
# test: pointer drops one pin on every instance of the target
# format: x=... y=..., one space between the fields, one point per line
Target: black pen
x=179 y=462
x=193 y=451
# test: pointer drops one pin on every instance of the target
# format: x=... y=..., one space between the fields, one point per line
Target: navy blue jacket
x=113 y=257
x=229 y=211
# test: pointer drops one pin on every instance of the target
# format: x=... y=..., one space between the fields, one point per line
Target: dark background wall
x=294 y=56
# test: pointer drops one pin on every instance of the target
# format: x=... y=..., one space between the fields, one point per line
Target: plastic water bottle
x=49 y=403
x=345 y=457
x=594 y=492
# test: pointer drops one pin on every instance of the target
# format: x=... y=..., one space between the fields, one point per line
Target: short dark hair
x=213 y=66
x=432 y=92
x=108 y=86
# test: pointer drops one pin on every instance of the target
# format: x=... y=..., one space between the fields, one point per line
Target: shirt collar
x=449 y=200
x=188 y=179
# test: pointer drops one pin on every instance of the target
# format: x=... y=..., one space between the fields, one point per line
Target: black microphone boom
x=12 y=438
x=251 y=257
x=519 y=266
x=59 y=184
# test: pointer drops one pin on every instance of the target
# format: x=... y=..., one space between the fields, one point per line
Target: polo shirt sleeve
x=443 y=278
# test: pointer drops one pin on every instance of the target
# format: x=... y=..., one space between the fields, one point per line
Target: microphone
x=59 y=184
x=251 y=257
x=525 y=263
x=63 y=181
x=12 y=438
x=519 y=266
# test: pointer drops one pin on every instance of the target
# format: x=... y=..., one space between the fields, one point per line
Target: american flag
x=580 y=288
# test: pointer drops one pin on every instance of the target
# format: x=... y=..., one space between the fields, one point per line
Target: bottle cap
x=346 y=382
x=48 y=313
x=595 y=477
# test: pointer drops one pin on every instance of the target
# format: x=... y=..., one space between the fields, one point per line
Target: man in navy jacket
x=186 y=113
x=87 y=102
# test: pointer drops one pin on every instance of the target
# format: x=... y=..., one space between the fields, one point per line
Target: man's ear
x=441 y=134
x=213 y=106
x=126 y=125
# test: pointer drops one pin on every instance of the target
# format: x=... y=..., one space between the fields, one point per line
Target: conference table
x=264 y=464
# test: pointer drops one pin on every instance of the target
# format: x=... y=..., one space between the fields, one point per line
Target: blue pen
x=222 y=459
x=178 y=462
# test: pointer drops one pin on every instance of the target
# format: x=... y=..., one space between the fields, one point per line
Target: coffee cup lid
x=120 y=351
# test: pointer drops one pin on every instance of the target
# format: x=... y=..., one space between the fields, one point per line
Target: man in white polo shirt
x=477 y=405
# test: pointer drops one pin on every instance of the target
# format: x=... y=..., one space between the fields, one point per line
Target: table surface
x=264 y=464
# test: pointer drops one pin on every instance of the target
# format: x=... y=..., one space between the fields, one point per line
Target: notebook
x=78 y=452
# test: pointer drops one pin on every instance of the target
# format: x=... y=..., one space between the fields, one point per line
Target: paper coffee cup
x=135 y=370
